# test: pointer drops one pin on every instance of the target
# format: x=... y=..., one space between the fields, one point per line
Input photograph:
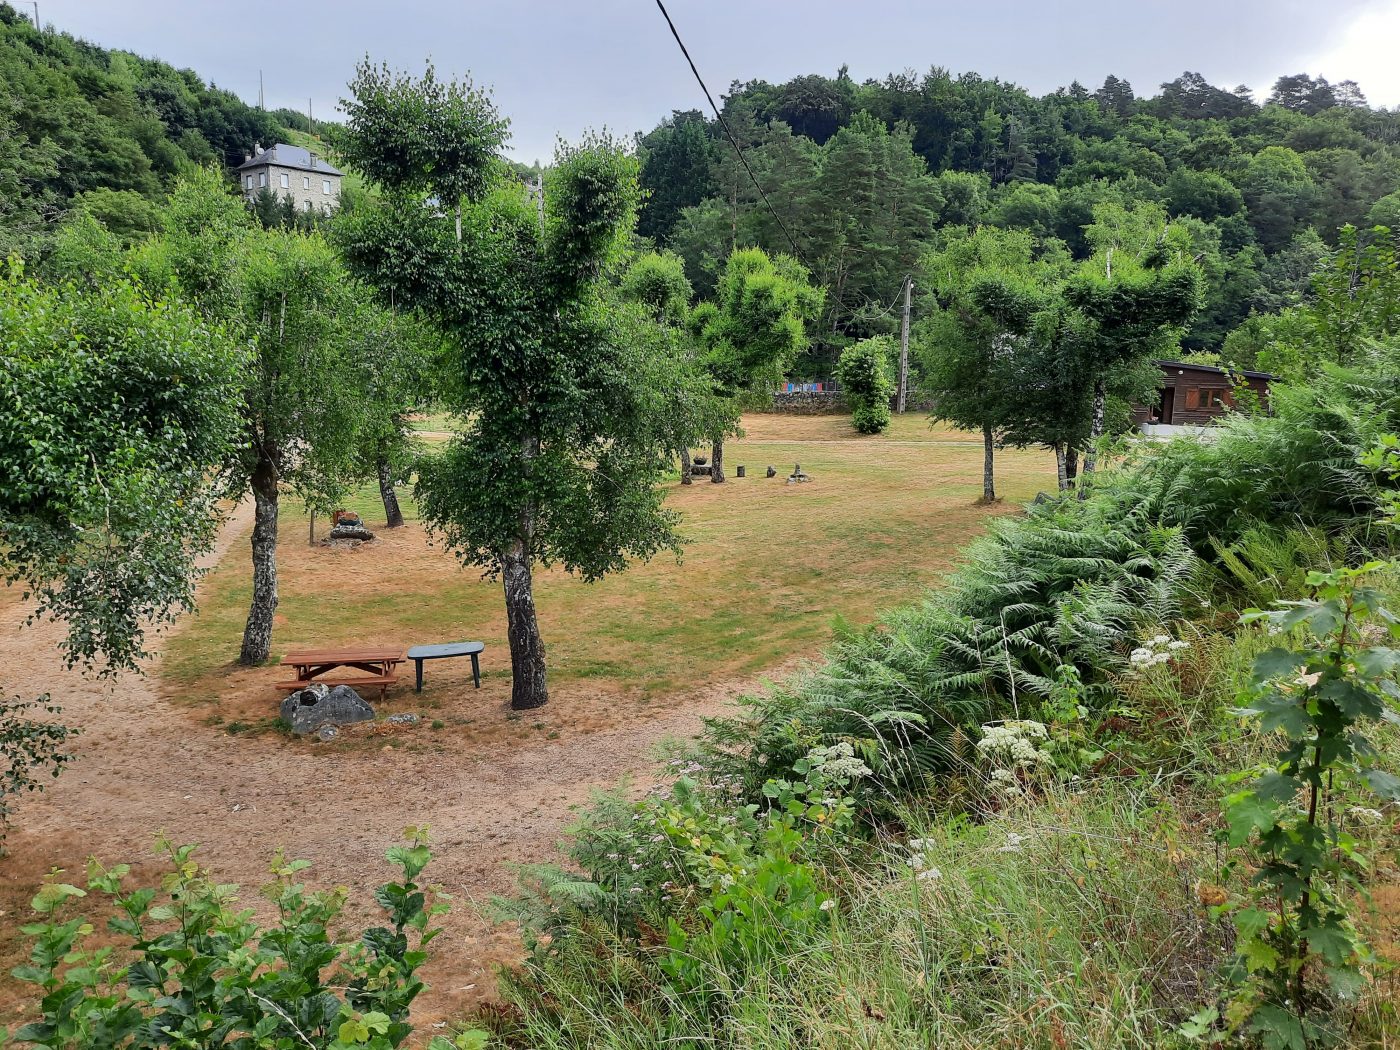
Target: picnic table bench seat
x=444 y=650
x=312 y=665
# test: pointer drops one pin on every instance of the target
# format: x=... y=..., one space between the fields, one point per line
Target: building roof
x=1192 y=367
x=286 y=156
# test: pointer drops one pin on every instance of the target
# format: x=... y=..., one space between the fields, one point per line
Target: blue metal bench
x=442 y=651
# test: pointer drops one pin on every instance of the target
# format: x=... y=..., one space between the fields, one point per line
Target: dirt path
x=147 y=765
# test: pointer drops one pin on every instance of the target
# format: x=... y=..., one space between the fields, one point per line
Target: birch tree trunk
x=989 y=489
x=393 y=515
x=529 y=687
x=717 y=461
x=1060 y=467
x=1096 y=429
x=257 y=634
x=686 y=478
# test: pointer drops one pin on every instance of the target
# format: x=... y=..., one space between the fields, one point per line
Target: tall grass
x=1075 y=920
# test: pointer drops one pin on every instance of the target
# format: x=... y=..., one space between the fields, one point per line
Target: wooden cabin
x=1194 y=395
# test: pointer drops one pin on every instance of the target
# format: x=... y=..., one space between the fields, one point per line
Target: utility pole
x=36 y=16
x=902 y=400
x=260 y=90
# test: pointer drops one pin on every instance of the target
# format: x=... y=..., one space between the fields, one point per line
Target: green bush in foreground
x=185 y=967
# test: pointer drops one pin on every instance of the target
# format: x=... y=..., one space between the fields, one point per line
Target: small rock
x=327 y=733
x=405 y=718
x=772 y=471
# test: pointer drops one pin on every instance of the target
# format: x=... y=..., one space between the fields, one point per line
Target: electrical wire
x=732 y=140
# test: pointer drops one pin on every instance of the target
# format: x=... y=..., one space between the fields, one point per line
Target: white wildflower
x=828 y=904
x=929 y=875
x=1364 y=815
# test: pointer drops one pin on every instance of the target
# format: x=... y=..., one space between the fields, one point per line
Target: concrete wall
x=296 y=186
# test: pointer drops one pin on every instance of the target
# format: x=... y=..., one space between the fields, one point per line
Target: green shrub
x=184 y=966
x=864 y=374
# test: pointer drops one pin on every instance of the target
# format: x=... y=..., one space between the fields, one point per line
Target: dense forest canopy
x=869 y=177
x=105 y=128
x=866 y=180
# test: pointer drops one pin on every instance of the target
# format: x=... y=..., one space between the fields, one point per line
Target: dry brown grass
x=767 y=569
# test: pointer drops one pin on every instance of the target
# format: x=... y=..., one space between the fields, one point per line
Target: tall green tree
x=753 y=330
x=287 y=296
x=656 y=283
x=1133 y=298
x=563 y=438
x=986 y=289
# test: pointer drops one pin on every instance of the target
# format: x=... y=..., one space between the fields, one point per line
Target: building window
x=308 y=205
x=284 y=179
x=306 y=182
x=247 y=182
x=325 y=185
x=1193 y=398
x=262 y=178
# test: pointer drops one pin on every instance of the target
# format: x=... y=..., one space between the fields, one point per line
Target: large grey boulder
x=350 y=527
x=308 y=709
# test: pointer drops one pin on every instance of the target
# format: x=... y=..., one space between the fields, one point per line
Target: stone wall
x=832 y=403
x=810 y=403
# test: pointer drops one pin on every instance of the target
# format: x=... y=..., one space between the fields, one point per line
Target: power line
x=732 y=140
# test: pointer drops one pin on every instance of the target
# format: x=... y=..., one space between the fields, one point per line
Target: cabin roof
x=1187 y=366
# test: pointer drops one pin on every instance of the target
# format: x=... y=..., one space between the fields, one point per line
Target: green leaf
x=52 y=894
x=1378 y=661
x=1246 y=812
x=1277 y=1029
x=1200 y=1024
x=1277 y=663
x=1275 y=788
x=1332 y=942
x=1382 y=783
x=1351 y=699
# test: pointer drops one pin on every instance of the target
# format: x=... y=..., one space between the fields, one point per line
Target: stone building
x=312 y=182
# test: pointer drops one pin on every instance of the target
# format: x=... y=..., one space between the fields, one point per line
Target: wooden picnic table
x=311 y=665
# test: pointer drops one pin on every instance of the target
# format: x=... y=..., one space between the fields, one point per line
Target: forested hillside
x=865 y=176
x=78 y=121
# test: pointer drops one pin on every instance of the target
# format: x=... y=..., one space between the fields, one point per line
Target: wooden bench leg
x=476 y=671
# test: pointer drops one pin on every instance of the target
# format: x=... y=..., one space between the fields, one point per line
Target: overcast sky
x=558 y=67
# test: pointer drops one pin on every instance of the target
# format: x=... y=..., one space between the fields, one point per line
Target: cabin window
x=1193 y=398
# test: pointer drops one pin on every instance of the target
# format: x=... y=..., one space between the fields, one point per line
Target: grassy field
x=767 y=569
